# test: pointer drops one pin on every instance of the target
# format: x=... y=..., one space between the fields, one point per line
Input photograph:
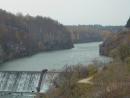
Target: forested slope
x=92 y=33
x=25 y=35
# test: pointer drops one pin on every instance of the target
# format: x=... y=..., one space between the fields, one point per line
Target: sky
x=73 y=12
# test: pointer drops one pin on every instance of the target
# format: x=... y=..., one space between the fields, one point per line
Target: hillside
x=114 y=42
x=92 y=33
x=25 y=35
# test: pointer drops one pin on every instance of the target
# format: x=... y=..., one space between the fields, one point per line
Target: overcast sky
x=74 y=12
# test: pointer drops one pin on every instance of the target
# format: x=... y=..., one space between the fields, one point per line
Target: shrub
x=92 y=70
x=127 y=60
x=66 y=82
x=122 y=52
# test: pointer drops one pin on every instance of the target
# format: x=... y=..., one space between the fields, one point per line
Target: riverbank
x=83 y=53
x=111 y=81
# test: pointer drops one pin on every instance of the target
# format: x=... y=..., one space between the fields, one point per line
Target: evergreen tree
x=128 y=23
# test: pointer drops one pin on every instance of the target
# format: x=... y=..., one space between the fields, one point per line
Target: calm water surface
x=81 y=54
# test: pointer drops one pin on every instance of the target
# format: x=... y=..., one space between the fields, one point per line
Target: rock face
x=91 y=33
x=114 y=42
x=25 y=35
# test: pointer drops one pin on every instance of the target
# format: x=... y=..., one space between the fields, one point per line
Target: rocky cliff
x=25 y=35
x=92 y=33
x=115 y=41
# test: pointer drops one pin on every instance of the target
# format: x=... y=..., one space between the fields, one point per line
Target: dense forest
x=92 y=33
x=25 y=35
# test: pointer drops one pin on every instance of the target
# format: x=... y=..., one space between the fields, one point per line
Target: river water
x=81 y=54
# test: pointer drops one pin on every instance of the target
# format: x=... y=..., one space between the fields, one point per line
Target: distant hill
x=92 y=33
x=25 y=35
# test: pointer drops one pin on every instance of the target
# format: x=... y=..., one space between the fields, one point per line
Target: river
x=81 y=54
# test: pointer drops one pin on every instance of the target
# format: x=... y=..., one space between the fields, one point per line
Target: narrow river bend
x=81 y=54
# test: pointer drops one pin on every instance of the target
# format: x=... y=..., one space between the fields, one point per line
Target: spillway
x=22 y=84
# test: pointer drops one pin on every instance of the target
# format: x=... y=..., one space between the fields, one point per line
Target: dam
x=24 y=84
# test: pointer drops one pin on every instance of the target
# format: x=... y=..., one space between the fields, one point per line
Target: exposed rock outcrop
x=92 y=33
x=26 y=35
x=115 y=41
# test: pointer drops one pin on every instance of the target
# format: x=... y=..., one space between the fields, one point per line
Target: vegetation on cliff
x=116 y=41
x=92 y=33
x=25 y=35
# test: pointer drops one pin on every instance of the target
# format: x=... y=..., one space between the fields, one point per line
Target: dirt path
x=86 y=80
